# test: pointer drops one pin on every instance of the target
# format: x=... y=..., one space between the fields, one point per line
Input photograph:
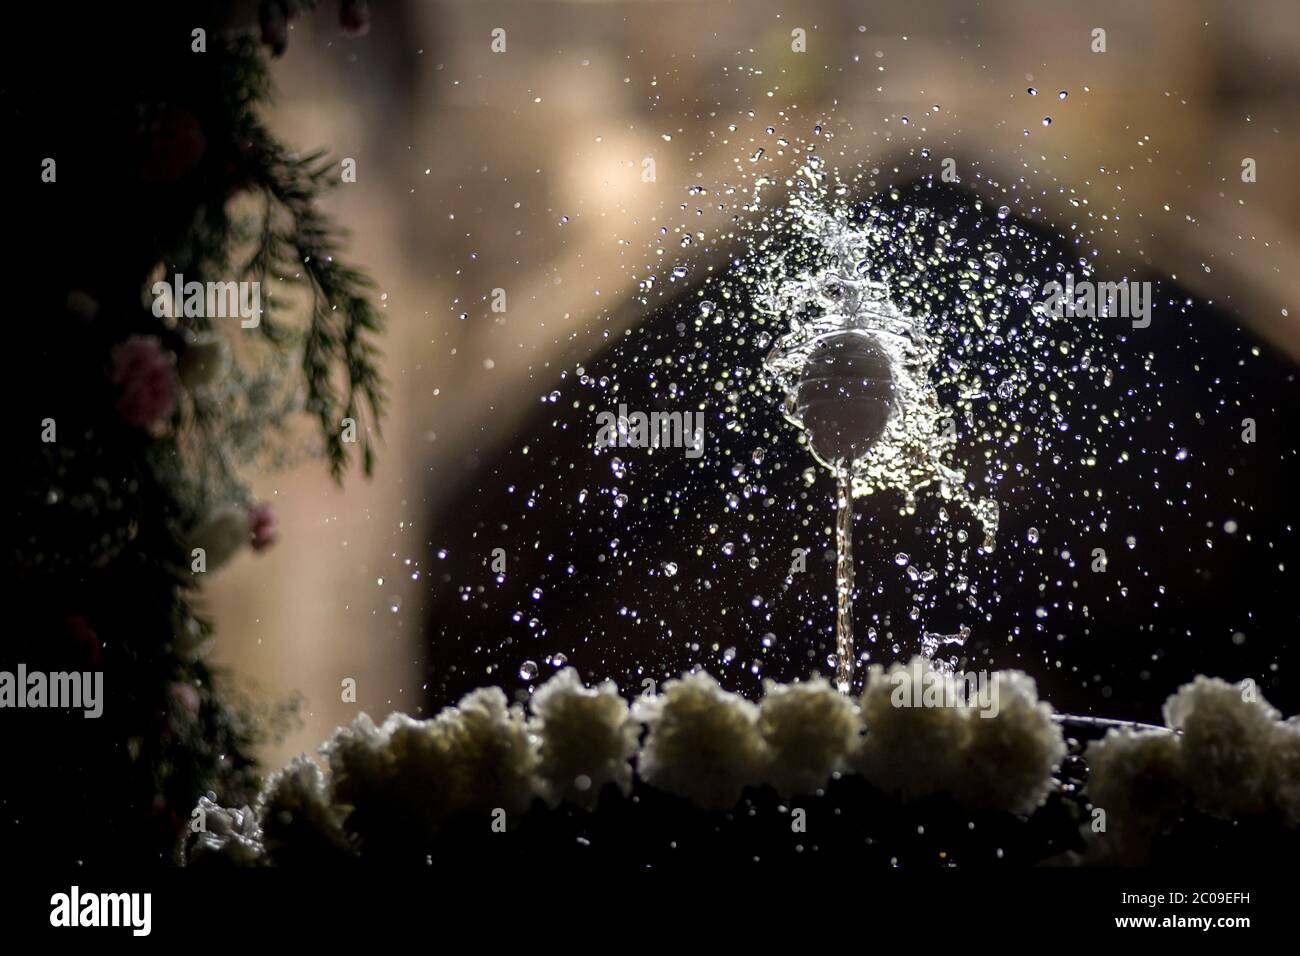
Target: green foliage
x=165 y=167
x=295 y=246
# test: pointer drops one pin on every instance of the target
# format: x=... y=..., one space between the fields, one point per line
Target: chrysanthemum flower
x=1227 y=732
x=298 y=822
x=809 y=729
x=1011 y=758
x=911 y=751
x=587 y=738
x=704 y=742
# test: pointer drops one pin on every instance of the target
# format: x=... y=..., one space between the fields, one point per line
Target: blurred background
x=522 y=170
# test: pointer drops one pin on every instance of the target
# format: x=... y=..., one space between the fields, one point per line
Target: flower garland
x=409 y=783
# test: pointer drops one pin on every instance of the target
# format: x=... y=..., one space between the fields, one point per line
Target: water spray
x=858 y=372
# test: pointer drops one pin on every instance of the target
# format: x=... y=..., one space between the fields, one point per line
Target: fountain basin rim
x=1110 y=723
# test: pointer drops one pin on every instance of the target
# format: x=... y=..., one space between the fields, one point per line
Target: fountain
x=844 y=399
x=854 y=370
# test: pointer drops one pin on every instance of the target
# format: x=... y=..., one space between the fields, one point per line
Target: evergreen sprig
x=165 y=165
x=339 y=356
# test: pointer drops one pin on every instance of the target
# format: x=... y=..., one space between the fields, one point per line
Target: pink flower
x=261 y=522
x=146 y=375
x=186 y=697
x=354 y=18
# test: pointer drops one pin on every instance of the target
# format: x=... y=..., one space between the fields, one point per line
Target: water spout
x=844 y=651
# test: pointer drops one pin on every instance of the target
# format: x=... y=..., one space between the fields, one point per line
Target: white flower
x=404 y=779
x=494 y=754
x=395 y=784
x=357 y=756
x=910 y=749
x=923 y=737
x=297 y=819
x=704 y=742
x=587 y=737
x=1136 y=780
x=229 y=837
x=420 y=765
x=1284 y=770
x=1225 y=744
x=1011 y=758
x=809 y=729
x=1234 y=758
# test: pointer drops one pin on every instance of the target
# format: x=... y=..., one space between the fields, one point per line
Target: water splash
x=835 y=295
x=839 y=294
